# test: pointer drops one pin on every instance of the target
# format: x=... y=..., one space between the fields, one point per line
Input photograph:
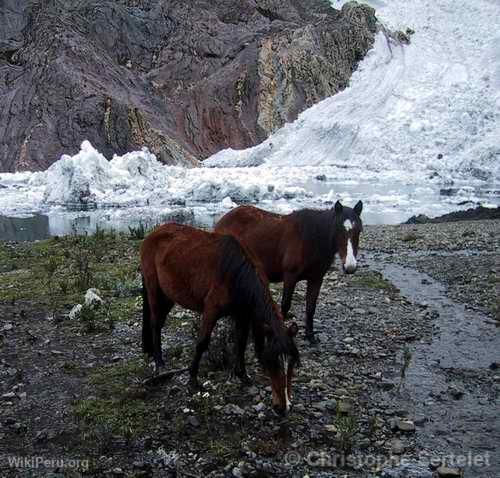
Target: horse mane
x=250 y=292
x=317 y=230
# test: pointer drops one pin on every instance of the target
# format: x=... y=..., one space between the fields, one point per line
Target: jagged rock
x=185 y=79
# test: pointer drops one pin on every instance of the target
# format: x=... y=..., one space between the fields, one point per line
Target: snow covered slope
x=431 y=106
x=417 y=131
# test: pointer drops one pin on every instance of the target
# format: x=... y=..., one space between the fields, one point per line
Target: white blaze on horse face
x=350 y=260
x=347 y=225
x=285 y=372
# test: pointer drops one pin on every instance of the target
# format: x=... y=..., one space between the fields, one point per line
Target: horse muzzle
x=281 y=411
x=349 y=268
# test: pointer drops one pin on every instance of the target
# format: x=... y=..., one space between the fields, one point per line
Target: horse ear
x=292 y=330
x=338 y=207
x=358 y=208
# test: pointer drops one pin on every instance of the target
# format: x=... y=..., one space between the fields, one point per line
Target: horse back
x=181 y=262
x=272 y=238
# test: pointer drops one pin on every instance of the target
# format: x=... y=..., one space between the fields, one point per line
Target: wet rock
x=455 y=392
x=445 y=472
x=405 y=425
x=260 y=407
x=193 y=421
x=397 y=447
x=232 y=409
x=326 y=405
x=408 y=470
x=331 y=428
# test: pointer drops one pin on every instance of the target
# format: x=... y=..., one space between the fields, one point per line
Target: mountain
x=185 y=79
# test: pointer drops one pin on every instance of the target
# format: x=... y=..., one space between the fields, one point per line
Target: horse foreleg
x=288 y=289
x=313 y=288
x=159 y=306
x=208 y=321
x=241 y=339
x=156 y=321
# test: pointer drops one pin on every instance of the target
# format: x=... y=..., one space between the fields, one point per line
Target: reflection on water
x=24 y=228
x=383 y=204
x=39 y=227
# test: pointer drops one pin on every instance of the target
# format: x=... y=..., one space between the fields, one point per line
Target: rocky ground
x=404 y=380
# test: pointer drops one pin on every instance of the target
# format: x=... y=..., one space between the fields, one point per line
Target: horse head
x=280 y=356
x=348 y=227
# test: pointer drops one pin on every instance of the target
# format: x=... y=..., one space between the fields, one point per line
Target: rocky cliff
x=184 y=78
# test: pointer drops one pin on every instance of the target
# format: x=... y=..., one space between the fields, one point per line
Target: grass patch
x=120 y=406
x=372 y=280
x=56 y=272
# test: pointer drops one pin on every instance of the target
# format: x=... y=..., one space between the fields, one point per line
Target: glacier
x=416 y=131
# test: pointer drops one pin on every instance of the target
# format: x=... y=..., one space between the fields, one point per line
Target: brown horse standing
x=299 y=246
x=213 y=274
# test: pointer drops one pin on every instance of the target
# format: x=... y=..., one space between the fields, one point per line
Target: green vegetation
x=56 y=273
x=371 y=279
x=119 y=406
x=347 y=427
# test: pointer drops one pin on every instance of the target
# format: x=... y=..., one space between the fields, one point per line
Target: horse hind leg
x=208 y=321
x=241 y=339
x=159 y=306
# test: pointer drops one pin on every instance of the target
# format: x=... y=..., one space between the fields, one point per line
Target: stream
x=454 y=415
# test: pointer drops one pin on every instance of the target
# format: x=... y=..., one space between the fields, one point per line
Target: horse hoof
x=157 y=368
x=195 y=386
x=312 y=339
x=245 y=379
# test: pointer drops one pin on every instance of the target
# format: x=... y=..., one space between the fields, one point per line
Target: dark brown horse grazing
x=213 y=274
x=298 y=246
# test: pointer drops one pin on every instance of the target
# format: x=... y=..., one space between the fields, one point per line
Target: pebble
x=331 y=428
x=397 y=447
x=445 y=472
x=455 y=392
x=405 y=425
x=260 y=407
x=193 y=421
x=232 y=409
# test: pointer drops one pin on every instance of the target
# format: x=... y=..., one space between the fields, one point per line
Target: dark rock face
x=474 y=214
x=185 y=79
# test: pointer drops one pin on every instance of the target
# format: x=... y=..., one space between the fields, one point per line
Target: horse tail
x=147 y=338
